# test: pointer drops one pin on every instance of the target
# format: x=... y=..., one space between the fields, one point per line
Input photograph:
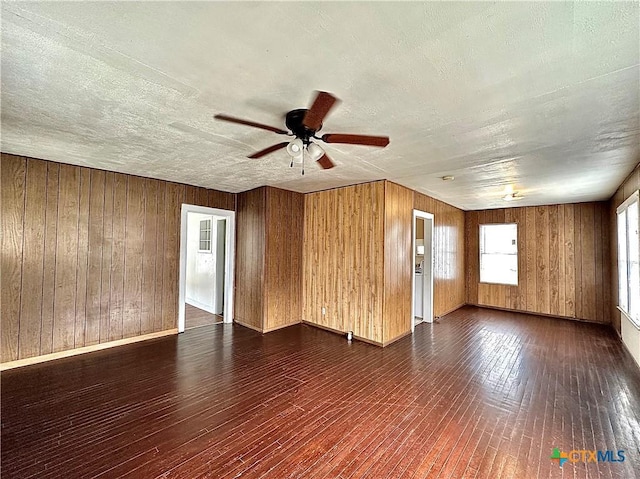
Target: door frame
x=229 y=259
x=428 y=225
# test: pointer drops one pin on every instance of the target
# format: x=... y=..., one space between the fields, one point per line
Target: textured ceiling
x=540 y=97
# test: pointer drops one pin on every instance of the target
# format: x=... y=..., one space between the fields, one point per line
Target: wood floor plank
x=477 y=394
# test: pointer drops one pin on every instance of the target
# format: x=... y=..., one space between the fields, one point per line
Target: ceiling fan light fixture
x=303 y=124
x=315 y=151
x=295 y=148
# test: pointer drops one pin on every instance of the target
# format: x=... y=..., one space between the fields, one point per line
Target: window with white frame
x=499 y=253
x=629 y=258
x=205 y=236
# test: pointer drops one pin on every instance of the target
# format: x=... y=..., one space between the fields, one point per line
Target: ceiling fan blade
x=250 y=123
x=271 y=149
x=367 y=140
x=321 y=106
x=325 y=162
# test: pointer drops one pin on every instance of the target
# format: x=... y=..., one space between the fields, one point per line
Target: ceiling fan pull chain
x=303 y=161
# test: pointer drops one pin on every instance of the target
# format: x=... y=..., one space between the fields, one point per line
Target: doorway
x=207 y=250
x=422 y=282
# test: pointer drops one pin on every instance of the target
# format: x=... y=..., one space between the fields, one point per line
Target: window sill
x=498 y=284
x=632 y=321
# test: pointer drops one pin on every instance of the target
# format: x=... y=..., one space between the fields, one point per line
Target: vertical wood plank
x=107 y=247
x=13 y=177
x=221 y=200
x=134 y=249
x=598 y=312
x=588 y=282
x=32 y=259
x=50 y=241
x=94 y=259
x=116 y=298
x=202 y=197
x=148 y=308
x=64 y=311
x=82 y=253
x=283 y=256
x=562 y=298
x=523 y=277
x=532 y=277
x=190 y=194
x=162 y=188
x=554 y=266
x=250 y=258
x=608 y=306
x=377 y=273
x=398 y=261
x=570 y=261
x=577 y=243
x=170 y=285
x=542 y=260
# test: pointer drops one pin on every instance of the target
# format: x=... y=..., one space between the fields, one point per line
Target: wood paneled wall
x=283 y=273
x=251 y=222
x=88 y=256
x=358 y=261
x=449 y=253
x=343 y=259
x=269 y=258
x=563 y=261
x=398 y=261
x=627 y=188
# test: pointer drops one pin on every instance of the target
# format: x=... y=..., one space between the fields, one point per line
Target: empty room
x=320 y=240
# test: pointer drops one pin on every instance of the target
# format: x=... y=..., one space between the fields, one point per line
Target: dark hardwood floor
x=479 y=394
x=196 y=317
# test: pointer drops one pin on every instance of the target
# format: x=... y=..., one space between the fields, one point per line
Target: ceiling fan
x=304 y=124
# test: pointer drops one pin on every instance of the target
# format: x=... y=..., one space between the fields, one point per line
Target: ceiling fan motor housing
x=294 y=121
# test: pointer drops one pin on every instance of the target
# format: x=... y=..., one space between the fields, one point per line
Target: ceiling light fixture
x=295 y=147
x=512 y=196
x=298 y=148
x=315 y=151
x=448 y=178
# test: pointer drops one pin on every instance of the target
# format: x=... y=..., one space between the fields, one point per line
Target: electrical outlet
x=324 y=311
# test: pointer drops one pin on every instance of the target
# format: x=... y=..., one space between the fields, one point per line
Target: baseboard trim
x=282 y=326
x=250 y=326
x=397 y=338
x=455 y=308
x=342 y=333
x=535 y=313
x=264 y=331
x=86 y=349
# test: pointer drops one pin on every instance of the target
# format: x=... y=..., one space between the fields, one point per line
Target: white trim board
x=431 y=218
x=229 y=259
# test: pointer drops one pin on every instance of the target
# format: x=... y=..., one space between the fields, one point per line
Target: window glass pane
x=623 y=283
x=499 y=254
x=633 y=259
x=500 y=238
x=205 y=235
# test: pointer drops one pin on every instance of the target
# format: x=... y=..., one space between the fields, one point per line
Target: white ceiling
x=543 y=97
